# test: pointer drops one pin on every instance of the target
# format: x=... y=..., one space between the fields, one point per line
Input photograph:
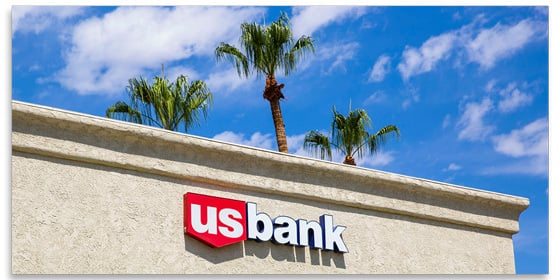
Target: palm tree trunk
x=279 y=126
x=273 y=93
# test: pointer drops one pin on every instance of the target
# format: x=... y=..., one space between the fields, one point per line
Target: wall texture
x=91 y=195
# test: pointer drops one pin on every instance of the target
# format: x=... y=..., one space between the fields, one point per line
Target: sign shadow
x=290 y=253
x=213 y=255
x=262 y=250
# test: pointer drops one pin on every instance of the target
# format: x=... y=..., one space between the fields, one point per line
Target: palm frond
x=380 y=137
x=318 y=143
x=198 y=100
x=139 y=88
x=164 y=103
x=350 y=135
x=298 y=51
x=253 y=42
x=349 y=132
x=121 y=111
x=228 y=52
x=279 y=39
x=266 y=49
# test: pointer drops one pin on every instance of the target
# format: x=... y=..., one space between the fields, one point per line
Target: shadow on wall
x=213 y=255
x=261 y=250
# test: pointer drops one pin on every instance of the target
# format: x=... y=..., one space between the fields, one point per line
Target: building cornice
x=90 y=139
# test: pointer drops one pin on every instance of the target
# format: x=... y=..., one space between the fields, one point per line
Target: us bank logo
x=219 y=222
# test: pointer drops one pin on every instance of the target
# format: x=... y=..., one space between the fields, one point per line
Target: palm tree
x=163 y=103
x=349 y=136
x=266 y=49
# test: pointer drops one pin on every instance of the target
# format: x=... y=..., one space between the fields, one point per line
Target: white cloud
x=457 y=16
x=541 y=10
x=173 y=72
x=38 y=18
x=344 y=53
x=536 y=166
x=295 y=145
x=424 y=59
x=482 y=46
x=513 y=98
x=257 y=139
x=264 y=141
x=307 y=20
x=453 y=167
x=446 y=121
x=375 y=98
x=472 y=123
x=107 y=51
x=490 y=85
x=34 y=67
x=379 y=159
x=501 y=41
x=527 y=145
x=413 y=97
x=227 y=81
x=381 y=67
x=530 y=140
x=333 y=54
x=406 y=103
x=337 y=54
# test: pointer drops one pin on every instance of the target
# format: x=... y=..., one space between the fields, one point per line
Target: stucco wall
x=97 y=196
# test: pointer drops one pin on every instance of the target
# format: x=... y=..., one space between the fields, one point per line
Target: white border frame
x=5 y=109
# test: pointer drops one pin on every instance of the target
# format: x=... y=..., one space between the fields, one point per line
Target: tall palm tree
x=163 y=103
x=266 y=49
x=349 y=136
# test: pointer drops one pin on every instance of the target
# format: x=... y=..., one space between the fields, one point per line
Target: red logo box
x=215 y=221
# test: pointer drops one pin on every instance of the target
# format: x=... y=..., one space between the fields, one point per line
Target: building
x=93 y=195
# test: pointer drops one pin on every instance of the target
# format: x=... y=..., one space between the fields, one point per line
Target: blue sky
x=468 y=87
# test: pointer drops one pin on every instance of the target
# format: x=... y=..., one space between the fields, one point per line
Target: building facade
x=93 y=195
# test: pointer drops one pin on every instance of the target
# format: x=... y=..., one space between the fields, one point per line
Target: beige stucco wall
x=91 y=195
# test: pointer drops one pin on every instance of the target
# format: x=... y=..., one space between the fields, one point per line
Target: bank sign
x=219 y=222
